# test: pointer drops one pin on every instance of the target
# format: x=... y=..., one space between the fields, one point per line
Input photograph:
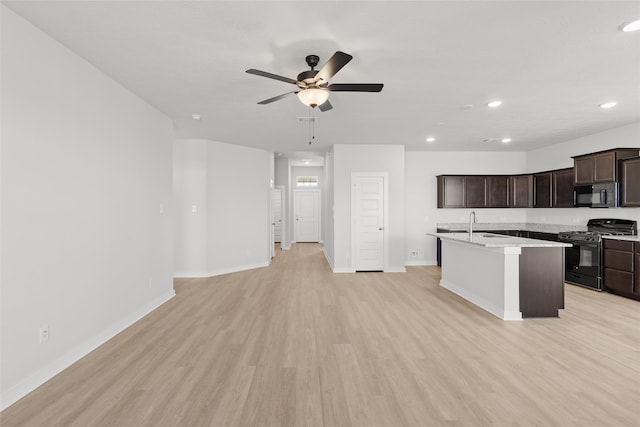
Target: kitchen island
x=510 y=277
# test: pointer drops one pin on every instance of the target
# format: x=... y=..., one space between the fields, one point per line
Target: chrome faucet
x=472 y=220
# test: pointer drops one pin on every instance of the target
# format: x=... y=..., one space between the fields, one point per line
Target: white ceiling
x=551 y=63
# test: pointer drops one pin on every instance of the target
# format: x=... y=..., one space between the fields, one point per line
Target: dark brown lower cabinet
x=636 y=279
x=620 y=268
x=541 y=282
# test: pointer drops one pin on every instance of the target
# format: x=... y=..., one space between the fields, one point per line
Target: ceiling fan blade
x=326 y=106
x=271 y=76
x=356 y=87
x=333 y=65
x=276 y=98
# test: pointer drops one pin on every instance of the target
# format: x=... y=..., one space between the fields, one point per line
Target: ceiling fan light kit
x=313 y=97
x=314 y=84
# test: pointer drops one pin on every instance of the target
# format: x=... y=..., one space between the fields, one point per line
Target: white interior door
x=306 y=213
x=368 y=222
x=276 y=206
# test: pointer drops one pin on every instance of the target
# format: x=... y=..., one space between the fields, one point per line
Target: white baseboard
x=395 y=270
x=419 y=263
x=326 y=256
x=481 y=302
x=343 y=270
x=211 y=273
x=44 y=374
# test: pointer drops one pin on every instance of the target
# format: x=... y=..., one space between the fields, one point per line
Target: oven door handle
x=591 y=244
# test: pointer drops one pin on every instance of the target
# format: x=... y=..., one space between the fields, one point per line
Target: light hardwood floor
x=295 y=345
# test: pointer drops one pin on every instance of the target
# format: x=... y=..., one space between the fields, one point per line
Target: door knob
x=381 y=228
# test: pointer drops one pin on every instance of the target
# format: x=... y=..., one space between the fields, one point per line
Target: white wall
x=190 y=193
x=231 y=225
x=558 y=156
x=281 y=173
x=422 y=214
x=368 y=158
x=328 y=206
x=86 y=207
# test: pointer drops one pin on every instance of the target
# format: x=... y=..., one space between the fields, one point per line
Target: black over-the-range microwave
x=603 y=195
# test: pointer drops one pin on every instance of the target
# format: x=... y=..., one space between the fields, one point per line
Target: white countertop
x=527 y=226
x=490 y=240
x=627 y=238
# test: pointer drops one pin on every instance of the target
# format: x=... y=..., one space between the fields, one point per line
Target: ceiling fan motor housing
x=307 y=77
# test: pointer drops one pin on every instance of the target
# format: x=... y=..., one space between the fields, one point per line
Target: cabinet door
x=618 y=260
x=583 y=168
x=521 y=191
x=476 y=191
x=542 y=190
x=562 y=188
x=617 y=280
x=604 y=167
x=451 y=191
x=630 y=182
x=636 y=278
x=498 y=191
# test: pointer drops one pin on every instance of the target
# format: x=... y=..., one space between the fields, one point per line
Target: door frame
x=281 y=189
x=385 y=213
x=318 y=212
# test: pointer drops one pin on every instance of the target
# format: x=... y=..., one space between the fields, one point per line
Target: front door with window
x=306 y=215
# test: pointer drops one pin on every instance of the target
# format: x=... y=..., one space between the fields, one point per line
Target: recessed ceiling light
x=494 y=104
x=608 y=105
x=430 y=139
x=196 y=116
x=630 y=26
x=306 y=162
x=506 y=140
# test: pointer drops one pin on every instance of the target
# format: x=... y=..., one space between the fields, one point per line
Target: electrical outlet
x=44 y=333
x=414 y=254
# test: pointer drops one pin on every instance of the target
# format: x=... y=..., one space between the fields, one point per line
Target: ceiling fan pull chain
x=312 y=126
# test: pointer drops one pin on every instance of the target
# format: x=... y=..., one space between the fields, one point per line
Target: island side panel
x=541 y=282
x=487 y=277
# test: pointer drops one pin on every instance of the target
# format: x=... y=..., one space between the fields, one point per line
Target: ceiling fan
x=314 y=84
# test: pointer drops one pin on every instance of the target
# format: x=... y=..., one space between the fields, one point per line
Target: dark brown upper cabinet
x=542 y=190
x=600 y=167
x=521 y=191
x=498 y=191
x=630 y=183
x=553 y=189
x=562 y=181
x=475 y=189
x=451 y=191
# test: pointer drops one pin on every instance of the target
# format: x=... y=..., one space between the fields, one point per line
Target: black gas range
x=583 y=260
